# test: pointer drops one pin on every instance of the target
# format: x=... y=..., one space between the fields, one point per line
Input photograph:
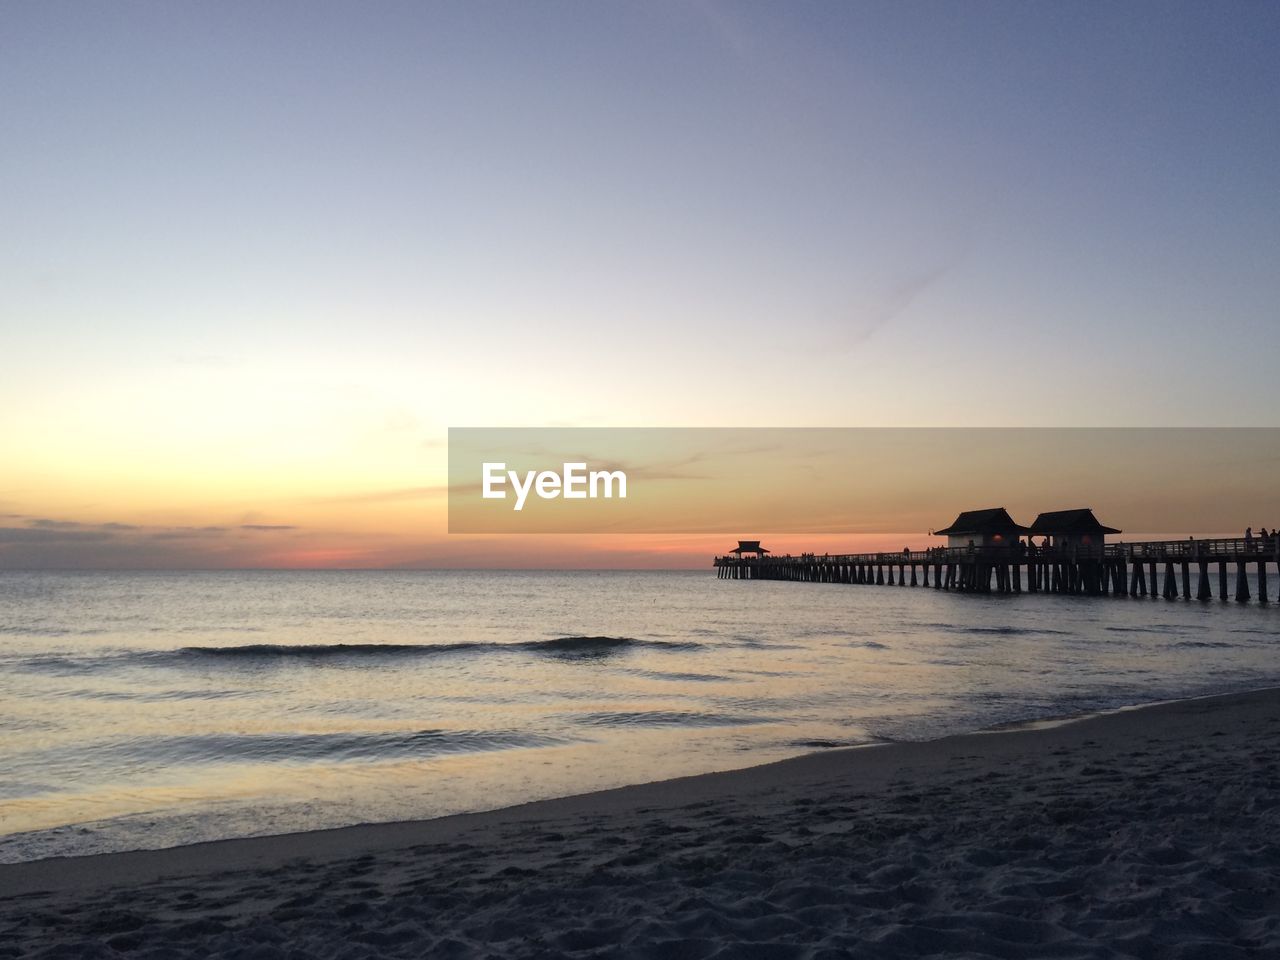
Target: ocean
x=142 y=710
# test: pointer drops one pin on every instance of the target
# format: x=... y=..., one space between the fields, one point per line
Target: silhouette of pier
x=1068 y=562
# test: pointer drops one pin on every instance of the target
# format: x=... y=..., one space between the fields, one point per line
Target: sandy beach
x=1143 y=833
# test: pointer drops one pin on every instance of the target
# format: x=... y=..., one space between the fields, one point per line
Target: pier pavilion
x=1071 y=528
x=992 y=527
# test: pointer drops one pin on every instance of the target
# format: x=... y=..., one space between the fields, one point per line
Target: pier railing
x=1229 y=548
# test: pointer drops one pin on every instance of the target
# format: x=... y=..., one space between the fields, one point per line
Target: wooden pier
x=1172 y=569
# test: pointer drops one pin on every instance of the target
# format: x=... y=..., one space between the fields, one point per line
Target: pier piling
x=1202 y=583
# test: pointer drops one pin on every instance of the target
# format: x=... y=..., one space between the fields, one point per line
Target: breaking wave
x=559 y=646
x=565 y=648
x=159 y=752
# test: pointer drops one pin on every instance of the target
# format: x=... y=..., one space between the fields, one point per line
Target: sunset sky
x=258 y=258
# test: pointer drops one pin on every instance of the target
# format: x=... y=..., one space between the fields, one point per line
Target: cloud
x=45 y=523
x=894 y=303
x=387 y=496
x=50 y=530
x=45 y=543
x=187 y=533
x=46 y=534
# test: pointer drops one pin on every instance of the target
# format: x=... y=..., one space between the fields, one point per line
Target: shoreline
x=81 y=871
x=300 y=843
x=326 y=838
x=759 y=795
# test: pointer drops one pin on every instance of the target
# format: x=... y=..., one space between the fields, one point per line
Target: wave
x=598 y=646
x=752 y=643
x=34 y=630
x=158 y=696
x=558 y=646
x=64 y=666
x=309 y=651
x=1160 y=628
x=201 y=628
x=832 y=744
x=161 y=752
x=668 y=718
x=565 y=648
x=683 y=677
x=1003 y=631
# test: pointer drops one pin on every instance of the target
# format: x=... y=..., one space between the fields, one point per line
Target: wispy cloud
x=187 y=533
x=68 y=544
x=46 y=523
x=895 y=302
x=387 y=496
x=50 y=530
x=50 y=535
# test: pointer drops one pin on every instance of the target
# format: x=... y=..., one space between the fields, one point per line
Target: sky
x=258 y=258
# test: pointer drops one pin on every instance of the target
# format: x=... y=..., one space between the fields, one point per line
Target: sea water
x=146 y=710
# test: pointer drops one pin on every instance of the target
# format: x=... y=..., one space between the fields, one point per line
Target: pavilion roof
x=1081 y=520
x=991 y=520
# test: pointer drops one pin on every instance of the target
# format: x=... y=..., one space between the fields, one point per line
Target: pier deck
x=1118 y=569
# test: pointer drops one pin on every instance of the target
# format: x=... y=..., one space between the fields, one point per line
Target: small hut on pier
x=992 y=527
x=745 y=547
x=1072 y=528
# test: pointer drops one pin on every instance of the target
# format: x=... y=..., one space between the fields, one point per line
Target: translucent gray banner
x=856 y=480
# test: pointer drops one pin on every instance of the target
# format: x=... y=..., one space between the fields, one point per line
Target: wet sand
x=1148 y=833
